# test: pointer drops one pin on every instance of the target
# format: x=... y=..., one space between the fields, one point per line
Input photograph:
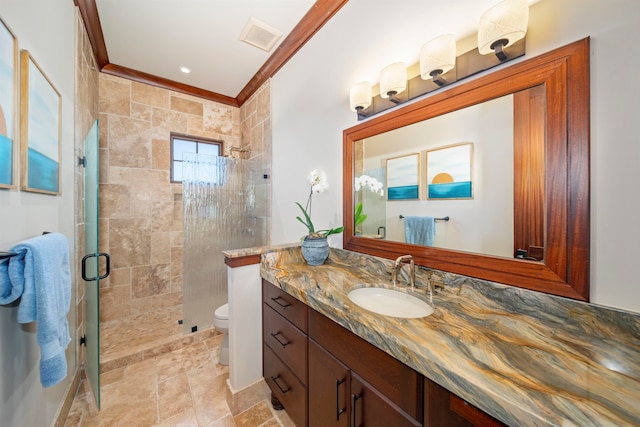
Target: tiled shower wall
x=140 y=210
x=255 y=117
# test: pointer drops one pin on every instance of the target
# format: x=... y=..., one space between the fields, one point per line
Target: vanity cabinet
x=353 y=383
x=284 y=337
x=326 y=376
x=339 y=397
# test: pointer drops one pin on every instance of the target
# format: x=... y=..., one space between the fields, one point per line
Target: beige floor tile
x=223 y=422
x=183 y=419
x=254 y=416
x=209 y=398
x=174 y=396
x=164 y=386
x=182 y=360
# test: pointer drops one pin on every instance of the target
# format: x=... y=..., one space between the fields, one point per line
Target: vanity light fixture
x=502 y=25
x=393 y=81
x=437 y=57
x=360 y=98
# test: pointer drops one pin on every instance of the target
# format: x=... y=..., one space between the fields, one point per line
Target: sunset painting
x=449 y=172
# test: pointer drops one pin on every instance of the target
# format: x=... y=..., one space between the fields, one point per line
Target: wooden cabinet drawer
x=286 y=341
x=286 y=387
x=295 y=311
x=402 y=385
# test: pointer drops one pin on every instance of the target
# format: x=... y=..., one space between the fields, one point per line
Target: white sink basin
x=390 y=302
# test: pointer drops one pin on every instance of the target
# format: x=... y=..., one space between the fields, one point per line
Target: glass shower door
x=91 y=264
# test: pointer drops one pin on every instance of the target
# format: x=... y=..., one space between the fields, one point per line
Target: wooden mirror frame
x=564 y=72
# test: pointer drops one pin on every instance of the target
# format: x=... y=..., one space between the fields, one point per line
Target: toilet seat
x=222 y=312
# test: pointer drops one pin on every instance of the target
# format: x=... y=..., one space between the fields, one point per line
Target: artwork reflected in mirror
x=479 y=200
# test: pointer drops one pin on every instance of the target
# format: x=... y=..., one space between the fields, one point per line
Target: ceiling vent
x=260 y=35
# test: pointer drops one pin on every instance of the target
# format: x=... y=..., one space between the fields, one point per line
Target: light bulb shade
x=506 y=20
x=393 y=78
x=360 y=96
x=438 y=54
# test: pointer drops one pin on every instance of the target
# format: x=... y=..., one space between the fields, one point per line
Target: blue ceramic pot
x=315 y=250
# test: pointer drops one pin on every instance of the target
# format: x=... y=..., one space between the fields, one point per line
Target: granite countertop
x=526 y=358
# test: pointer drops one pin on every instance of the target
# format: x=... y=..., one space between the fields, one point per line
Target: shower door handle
x=98 y=255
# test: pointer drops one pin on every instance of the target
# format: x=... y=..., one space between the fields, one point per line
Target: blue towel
x=41 y=270
x=9 y=292
x=420 y=230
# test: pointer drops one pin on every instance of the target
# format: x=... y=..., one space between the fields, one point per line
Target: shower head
x=239 y=150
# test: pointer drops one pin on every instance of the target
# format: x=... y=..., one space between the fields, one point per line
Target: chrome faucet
x=398 y=265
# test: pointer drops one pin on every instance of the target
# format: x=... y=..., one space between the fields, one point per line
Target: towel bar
x=5 y=255
x=445 y=218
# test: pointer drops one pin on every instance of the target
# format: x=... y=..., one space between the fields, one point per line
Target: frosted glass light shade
x=438 y=54
x=506 y=20
x=360 y=96
x=393 y=78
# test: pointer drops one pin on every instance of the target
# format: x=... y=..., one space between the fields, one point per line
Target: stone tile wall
x=140 y=210
x=255 y=116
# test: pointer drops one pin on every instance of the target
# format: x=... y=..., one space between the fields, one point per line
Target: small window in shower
x=188 y=144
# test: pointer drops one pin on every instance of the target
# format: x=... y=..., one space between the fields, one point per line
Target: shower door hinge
x=82 y=161
x=83 y=340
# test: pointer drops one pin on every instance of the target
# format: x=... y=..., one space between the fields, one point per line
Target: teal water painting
x=403 y=192
x=42 y=136
x=6 y=161
x=8 y=98
x=403 y=177
x=43 y=172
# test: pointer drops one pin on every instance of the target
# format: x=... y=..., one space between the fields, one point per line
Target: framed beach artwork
x=8 y=106
x=403 y=177
x=449 y=172
x=40 y=131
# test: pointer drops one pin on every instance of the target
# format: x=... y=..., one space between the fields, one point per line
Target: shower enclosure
x=225 y=207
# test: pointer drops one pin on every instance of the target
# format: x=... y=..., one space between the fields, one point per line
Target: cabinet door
x=328 y=389
x=370 y=408
x=444 y=409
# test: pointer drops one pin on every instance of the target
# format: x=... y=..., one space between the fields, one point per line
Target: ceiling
x=149 y=40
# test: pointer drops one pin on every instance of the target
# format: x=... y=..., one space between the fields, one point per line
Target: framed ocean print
x=40 y=130
x=449 y=171
x=403 y=177
x=8 y=106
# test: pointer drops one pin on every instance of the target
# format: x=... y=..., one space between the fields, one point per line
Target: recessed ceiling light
x=185 y=70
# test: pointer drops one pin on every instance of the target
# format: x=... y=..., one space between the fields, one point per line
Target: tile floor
x=182 y=385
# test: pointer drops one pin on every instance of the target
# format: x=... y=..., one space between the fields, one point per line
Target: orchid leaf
x=308 y=223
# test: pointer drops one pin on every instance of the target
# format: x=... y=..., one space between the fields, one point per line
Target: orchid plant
x=375 y=186
x=318 y=183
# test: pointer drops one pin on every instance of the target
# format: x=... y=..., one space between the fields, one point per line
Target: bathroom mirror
x=550 y=191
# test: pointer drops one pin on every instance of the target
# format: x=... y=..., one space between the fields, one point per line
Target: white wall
x=310 y=111
x=45 y=28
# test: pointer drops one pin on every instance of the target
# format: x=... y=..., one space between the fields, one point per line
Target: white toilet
x=221 y=323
